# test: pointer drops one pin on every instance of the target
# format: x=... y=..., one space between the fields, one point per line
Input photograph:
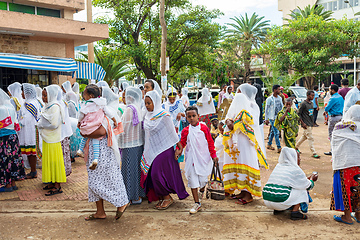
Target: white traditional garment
x=73 y=104
x=52 y=115
x=133 y=135
x=345 y=142
x=156 y=87
x=7 y=110
x=351 y=98
x=205 y=104
x=124 y=86
x=174 y=108
x=112 y=102
x=39 y=96
x=185 y=98
x=67 y=86
x=288 y=173
x=29 y=116
x=102 y=84
x=227 y=94
x=160 y=133
x=76 y=89
x=116 y=90
x=66 y=129
x=16 y=98
x=197 y=152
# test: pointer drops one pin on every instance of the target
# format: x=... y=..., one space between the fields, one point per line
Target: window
x=356 y=2
x=3 y=6
x=341 y=4
x=38 y=77
x=48 y=12
x=334 y=6
x=21 y=8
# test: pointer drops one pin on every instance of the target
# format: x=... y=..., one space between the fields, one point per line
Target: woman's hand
x=177 y=154
x=178 y=117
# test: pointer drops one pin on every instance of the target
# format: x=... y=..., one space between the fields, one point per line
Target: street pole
x=354 y=43
x=163 y=45
x=89 y=19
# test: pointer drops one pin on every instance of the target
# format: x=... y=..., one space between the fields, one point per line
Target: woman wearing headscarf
x=50 y=127
x=159 y=163
x=228 y=93
x=66 y=131
x=151 y=85
x=112 y=101
x=206 y=107
x=11 y=163
x=345 y=145
x=115 y=90
x=39 y=96
x=74 y=111
x=131 y=143
x=76 y=90
x=102 y=84
x=16 y=98
x=244 y=145
x=185 y=98
x=28 y=117
x=175 y=107
x=288 y=186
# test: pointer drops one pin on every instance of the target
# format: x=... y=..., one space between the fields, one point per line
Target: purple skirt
x=164 y=176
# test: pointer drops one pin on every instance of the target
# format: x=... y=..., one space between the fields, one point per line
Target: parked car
x=195 y=94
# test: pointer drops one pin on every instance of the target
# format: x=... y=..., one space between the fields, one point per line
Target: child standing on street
x=305 y=113
x=198 y=154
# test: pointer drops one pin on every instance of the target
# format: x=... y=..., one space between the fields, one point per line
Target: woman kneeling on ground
x=288 y=186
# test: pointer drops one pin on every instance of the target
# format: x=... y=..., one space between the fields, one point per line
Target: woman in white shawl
x=16 y=98
x=11 y=164
x=228 y=93
x=175 y=107
x=159 y=163
x=346 y=165
x=206 y=107
x=185 y=98
x=102 y=84
x=74 y=111
x=151 y=85
x=76 y=90
x=288 y=186
x=66 y=131
x=50 y=126
x=242 y=143
x=28 y=118
x=39 y=96
x=131 y=143
x=112 y=101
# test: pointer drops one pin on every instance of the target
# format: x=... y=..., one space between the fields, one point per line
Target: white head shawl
x=15 y=91
x=249 y=91
x=345 y=140
x=39 y=95
x=124 y=86
x=52 y=95
x=287 y=172
x=133 y=96
x=6 y=109
x=160 y=134
x=66 y=129
x=76 y=88
x=29 y=91
x=115 y=90
x=227 y=94
x=102 y=84
x=185 y=98
x=4 y=98
x=206 y=105
x=156 y=87
x=73 y=104
x=112 y=101
x=67 y=86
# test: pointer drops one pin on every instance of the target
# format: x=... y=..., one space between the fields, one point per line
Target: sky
x=230 y=8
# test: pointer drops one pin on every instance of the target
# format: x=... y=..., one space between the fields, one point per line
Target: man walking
x=273 y=106
x=352 y=97
x=334 y=109
x=306 y=114
x=316 y=105
x=344 y=87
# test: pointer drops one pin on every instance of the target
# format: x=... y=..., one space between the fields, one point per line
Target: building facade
x=42 y=28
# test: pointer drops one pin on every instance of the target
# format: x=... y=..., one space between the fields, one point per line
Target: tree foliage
x=136 y=31
x=310 y=10
x=309 y=46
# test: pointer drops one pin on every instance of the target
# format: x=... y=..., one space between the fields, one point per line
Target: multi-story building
x=340 y=9
x=38 y=37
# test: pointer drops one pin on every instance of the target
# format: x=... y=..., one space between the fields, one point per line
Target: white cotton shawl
x=227 y=94
x=185 y=98
x=287 y=172
x=6 y=109
x=197 y=152
x=207 y=104
x=156 y=87
x=112 y=101
x=15 y=91
x=116 y=90
x=66 y=129
x=345 y=143
x=76 y=89
x=39 y=96
x=30 y=98
x=102 y=84
x=73 y=104
x=67 y=86
x=93 y=105
x=160 y=133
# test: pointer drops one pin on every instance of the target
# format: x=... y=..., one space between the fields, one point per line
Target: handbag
x=215 y=187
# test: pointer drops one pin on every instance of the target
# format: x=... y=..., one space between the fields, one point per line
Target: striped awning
x=87 y=70
x=37 y=62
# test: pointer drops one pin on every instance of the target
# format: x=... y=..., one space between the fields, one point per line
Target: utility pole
x=89 y=19
x=163 y=45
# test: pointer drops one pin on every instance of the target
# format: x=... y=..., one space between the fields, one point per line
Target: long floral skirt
x=75 y=140
x=11 y=162
x=65 y=145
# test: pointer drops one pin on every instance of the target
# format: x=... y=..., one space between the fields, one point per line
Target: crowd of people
x=133 y=142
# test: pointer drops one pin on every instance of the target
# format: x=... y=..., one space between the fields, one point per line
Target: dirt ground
x=218 y=219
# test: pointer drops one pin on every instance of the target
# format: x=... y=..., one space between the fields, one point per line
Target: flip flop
x=339 y=219
x=353 y=216
x=243 y=202
x=315 y=156
x=119 y=214
x=92 y=217
x=166 y=200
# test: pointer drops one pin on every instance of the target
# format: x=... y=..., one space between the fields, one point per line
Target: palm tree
x=250 y=33
x=309 y=10
x=114 y=67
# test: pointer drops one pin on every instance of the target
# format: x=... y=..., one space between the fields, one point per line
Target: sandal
x=53 y=192
x=92 y=217
x=353 y=216
x=158 y=204
x=244 y=202
x=49 y=187
x=31 y=175
x=297 y=216
x=166 y=200
x=315 y=156
x=119 y=213
x=270 y=147
x=339 y=219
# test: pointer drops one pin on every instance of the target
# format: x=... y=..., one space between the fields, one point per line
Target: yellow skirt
x=53 y=168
